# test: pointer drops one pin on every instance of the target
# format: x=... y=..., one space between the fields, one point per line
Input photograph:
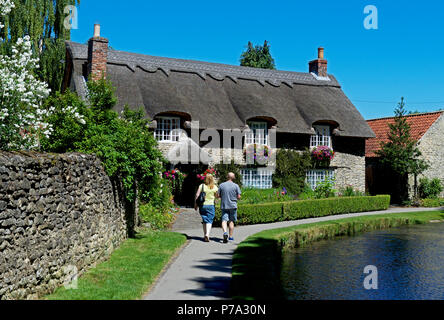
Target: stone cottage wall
x=431 y=146
x=59 y=216
x=349 y=162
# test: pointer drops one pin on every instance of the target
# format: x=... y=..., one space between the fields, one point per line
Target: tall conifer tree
x=401 y=153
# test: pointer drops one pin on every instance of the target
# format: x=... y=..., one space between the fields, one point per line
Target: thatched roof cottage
x=305 y=108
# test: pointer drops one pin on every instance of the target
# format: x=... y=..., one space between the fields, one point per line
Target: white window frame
x=316 y=176
x=257 y=133
x=164 y=134
x=258 y=178
x=322 y=136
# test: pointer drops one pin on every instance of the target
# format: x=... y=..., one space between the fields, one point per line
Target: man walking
x=230 y=193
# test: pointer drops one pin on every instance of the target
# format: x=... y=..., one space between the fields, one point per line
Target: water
x=410 y=262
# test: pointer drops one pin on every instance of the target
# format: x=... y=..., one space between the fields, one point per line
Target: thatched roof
x=223 y=96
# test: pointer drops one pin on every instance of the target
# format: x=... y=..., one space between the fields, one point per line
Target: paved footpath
x=202 y=271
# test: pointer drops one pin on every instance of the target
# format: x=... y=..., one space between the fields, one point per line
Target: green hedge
x=294 y=210
x=433 y=203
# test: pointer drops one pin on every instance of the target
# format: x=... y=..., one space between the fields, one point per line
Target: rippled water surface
x=410 y=262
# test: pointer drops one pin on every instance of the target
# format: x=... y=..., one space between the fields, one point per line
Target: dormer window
x=167 y=129
x=322 y=136
x=258 y=133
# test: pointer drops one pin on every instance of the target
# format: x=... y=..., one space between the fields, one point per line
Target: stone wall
x=59 y=215
x=349 y=162
x=431 y=146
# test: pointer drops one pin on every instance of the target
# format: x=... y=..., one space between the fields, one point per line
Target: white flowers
x=74 y=113
x=5 y=8
x=21 y=95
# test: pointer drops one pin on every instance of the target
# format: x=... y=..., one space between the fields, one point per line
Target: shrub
x=350 y=192
x=158 y=218
x=291 y=168
x=252 y=195
x=175 y=180
x=433 y=203
x=324 y=207
x=223 y=170
x=163 y=197
x=324 y=189
x=301 y=209
x=124 y=144
x=429 y=188
x=258 y=213
x=307 y=193
x=21 y=96
x=67 y=114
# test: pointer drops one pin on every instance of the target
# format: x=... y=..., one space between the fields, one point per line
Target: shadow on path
x=201 y=239
x=216 y=265
x=211 y=287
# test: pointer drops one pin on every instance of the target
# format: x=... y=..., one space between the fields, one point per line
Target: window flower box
x=260 y=154
x=322 y=156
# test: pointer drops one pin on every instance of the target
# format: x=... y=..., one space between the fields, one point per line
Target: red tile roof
x=419 y=124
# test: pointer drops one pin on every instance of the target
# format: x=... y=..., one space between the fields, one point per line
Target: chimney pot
x=321 y=53
x=319 y=66
x=96 y=30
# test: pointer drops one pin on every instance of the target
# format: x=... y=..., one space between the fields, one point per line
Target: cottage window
x=257 y=178
x=167 y=129
x=322 y=137
x=258 y=133
x=315 y=177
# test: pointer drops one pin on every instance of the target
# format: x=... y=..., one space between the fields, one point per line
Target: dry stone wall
x=59 y=215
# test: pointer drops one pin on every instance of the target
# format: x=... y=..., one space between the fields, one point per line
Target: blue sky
x=404 y=57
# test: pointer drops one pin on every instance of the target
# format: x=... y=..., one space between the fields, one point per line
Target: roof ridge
x=407 y=115
x=216 y=70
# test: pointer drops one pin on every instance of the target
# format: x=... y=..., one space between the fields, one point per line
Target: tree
x=401 y=153
x=257 y=56
x=43 y=22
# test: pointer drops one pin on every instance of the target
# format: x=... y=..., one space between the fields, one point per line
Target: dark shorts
x=207 y=213
x=229 y=215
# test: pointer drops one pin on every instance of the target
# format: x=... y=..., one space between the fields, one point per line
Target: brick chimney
x=97 y=55
x=319 y=66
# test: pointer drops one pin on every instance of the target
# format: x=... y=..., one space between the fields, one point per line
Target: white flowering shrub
x=5 y=8
x=67 y=116
x=21 y=96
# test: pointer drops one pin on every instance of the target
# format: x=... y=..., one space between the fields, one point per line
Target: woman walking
x=207 y=209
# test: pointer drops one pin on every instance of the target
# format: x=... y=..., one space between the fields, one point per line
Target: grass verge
x=130 y=270
x=257 y=260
